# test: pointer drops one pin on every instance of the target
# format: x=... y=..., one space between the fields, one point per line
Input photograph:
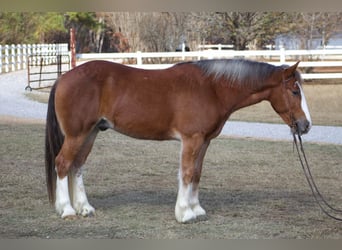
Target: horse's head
x=288 y=100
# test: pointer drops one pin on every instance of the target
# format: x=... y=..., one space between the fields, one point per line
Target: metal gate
x=44 y=69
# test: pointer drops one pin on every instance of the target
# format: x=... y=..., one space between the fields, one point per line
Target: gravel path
x=319 y=134
x=13 y=102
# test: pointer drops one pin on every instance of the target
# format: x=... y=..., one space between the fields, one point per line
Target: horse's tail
x=53 y=143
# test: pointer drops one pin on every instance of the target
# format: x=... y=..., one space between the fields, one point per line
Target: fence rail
x=308 y=58
x=15 y=57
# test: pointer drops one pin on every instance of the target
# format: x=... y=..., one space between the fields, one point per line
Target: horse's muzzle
x=301 y=126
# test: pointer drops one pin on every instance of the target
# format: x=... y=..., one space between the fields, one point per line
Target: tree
x=153 y=31
x=88 y=28
x=17 y=27
x=166 y=31
x=318 y=25
x=50 y=28
x=253 y=29
x=162 y=31
x=125 y=23
x=32 y=27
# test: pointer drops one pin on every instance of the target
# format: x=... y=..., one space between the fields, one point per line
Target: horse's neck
x=254 y=98
x=242 y=98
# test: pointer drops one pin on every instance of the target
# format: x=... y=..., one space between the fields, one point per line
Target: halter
x=286 y=98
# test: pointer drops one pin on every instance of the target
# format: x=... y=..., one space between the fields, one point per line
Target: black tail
x=53 y=143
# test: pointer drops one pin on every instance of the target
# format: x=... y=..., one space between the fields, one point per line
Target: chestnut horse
x=189 y=102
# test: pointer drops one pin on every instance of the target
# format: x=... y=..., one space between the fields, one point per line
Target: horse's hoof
x=70 y=217
x=68 y=213
x=90 y=215
x=198 y=210
x=185 y=216
x=88 y=211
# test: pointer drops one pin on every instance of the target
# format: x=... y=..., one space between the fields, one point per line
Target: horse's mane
x=237 y=72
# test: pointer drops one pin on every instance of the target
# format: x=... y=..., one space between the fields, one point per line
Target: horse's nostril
x=306 y=126
x=302 y=126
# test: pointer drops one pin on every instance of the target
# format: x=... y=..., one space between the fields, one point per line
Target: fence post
x=24 y=56
x=73 y=47
x=139 y=58
x=282 y=55
x=49 y=53
x=33 y=55
x=13 y=61
x=39 y=54
x=19 y=54
x=6 y=58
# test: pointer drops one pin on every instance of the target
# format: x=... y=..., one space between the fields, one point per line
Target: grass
x=249 y=188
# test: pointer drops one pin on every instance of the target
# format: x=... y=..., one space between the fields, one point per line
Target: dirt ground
x=249 y=188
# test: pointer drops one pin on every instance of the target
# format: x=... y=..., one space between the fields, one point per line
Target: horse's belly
x=152 y=127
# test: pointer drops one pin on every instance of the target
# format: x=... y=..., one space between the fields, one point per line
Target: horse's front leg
x=187 y=205
x=194 y=198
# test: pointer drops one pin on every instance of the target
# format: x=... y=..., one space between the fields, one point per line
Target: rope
x=307 y=172
x=306 y=169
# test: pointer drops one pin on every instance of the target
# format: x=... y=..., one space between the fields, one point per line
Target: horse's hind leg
x=62 y=203
x=68 y=166
x=80 y=200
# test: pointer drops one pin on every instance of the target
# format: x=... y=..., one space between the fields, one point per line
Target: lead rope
x=317 y=195
x=306 y=169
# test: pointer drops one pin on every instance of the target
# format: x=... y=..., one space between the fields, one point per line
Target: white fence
x=308 y=58
x=16 y=57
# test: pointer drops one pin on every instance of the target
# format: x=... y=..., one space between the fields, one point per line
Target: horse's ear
x=296 y=64
x=288 y=72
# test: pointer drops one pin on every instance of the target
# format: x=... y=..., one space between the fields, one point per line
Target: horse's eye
x=296 y=92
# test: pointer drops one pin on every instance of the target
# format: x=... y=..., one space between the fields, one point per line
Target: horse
x=189 y=102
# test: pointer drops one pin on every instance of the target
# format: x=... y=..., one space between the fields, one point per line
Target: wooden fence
x=16 y=57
